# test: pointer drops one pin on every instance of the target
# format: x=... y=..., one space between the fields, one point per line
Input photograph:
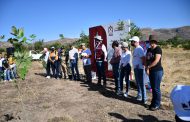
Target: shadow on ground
x=109 y=92
x=145 y=118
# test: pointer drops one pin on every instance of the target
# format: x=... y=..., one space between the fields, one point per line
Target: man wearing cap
x=85 y=55
x=180 y=97
x=125 y=68
x=155 y=71
x=138 y=64
x=101 y=58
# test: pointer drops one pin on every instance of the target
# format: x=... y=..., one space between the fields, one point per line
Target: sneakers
x=144 y=102
x=154 y=108
x=125 y=94
x=48 y=77
x=10 y=80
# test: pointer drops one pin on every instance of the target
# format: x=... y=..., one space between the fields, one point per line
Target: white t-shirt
x=86 y=61
x=72 y=53
x=46 y=56
x=125 y=58
x=138 y=53
x=1 y=60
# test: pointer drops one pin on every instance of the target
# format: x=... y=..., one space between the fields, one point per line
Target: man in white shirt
x=73 y=56
x=46 y=60
x=138 y=64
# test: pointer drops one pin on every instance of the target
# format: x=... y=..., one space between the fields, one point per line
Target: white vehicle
x=35 y=55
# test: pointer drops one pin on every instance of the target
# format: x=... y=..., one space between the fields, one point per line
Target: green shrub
x=186 y=45
x=2 y=50
x=55 y=44
x=38 y=45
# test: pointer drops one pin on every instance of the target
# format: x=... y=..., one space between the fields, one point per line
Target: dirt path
x=50 y=100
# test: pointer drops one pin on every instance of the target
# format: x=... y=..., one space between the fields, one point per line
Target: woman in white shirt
x=125 y=68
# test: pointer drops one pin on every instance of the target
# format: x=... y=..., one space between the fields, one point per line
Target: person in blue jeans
x=125 y=68
x=155 y=70
x=6 y=68
x=139 y=64
x=53 y=57
x=73 y=56
x=115 y=60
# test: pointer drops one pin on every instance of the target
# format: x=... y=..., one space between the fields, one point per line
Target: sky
x=49 y=18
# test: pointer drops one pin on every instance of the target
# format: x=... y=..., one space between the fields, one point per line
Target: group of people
x=149 y=63
x=7 y=68
x=62 y=63
x=141 y=63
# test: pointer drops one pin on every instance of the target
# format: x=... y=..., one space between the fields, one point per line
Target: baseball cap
x=82 y=44
x=180 y=97
x=134 y=38
x=124 y=44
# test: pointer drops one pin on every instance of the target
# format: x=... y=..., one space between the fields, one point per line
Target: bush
x=2 y=50
x=175 y=42
x=38 y=45
x=186 y=45
x=56 y=45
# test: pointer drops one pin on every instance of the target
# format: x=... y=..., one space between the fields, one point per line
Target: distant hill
x=62 y=41
x=5 y=44
x=164 y=34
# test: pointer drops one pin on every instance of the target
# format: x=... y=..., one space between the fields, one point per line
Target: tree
x=2 y=37
x=134 y=30
x=61 y=36
x=83 y=39
x=120 y=25
x=19 y=40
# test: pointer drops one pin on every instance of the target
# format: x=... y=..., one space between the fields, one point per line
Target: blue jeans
x=155 y=80
x=140 y=84
x=115 y=68
x=74 y=68
x=125 y=72
x=7 y=74
x=55 y=69
x=101 y=71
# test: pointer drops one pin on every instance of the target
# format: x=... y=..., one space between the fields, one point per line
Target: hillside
x=164 y=33
x=62 y=41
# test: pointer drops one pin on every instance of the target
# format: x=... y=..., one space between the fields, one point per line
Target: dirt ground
x=51 y=100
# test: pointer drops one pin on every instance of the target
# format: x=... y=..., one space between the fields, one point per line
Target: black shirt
x=5 y=64
x=150 y=57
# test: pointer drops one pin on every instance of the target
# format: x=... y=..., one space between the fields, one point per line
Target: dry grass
x=176 y=64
